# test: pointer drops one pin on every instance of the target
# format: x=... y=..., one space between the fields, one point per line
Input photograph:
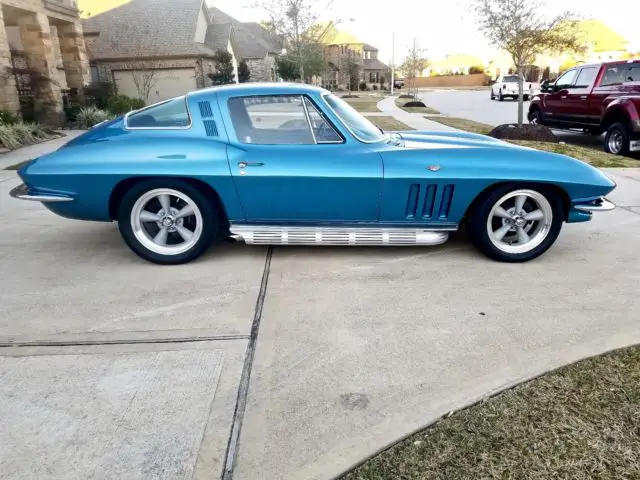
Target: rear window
x=613 y=75
x=510 y=79
x=170 y=114
x=632 y=74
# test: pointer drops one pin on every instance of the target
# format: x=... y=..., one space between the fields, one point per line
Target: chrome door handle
x=584 y=97
x=563 y=96
x=250 y=164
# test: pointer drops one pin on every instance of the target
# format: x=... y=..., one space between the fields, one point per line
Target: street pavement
x=113 y=367
x=10 y=158
x=477 y=105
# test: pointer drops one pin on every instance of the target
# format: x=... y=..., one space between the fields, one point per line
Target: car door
x=556 y=110
x=576 y=102
x=285 y=171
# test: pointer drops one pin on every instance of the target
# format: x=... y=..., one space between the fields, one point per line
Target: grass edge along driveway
x=579 y=422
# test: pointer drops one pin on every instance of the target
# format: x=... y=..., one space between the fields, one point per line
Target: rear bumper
x=599 y=205
x=22 y=192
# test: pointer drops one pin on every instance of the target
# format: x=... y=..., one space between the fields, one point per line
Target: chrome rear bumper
x=22 y=192
x=599 y=205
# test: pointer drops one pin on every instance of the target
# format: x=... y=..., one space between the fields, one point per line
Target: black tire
x=526 y=98
x=493 y=97
x=617 y=131
x=500 y=96
x=210 y=222
x=535 y=117
x=478 y=229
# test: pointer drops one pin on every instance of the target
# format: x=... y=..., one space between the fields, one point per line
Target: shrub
x=121 y=104
x=99 y=93
x=19 y=134
x=7 y=118
x=375 y=87
x=415 y=104
x=476 y=69
x=89 y=116
x=406 y=95
x=363 y=86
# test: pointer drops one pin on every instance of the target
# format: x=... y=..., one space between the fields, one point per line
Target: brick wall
x=475 y=80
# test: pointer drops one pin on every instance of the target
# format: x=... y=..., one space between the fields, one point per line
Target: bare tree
x=295 y=22
x=350 y=69
x=145 y=78
x=412 y=66
x=521 y=28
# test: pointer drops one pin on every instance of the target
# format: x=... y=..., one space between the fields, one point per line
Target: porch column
x=9 y=99
x=38 y=47
x=74 y=56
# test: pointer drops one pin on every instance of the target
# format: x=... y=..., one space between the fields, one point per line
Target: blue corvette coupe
x=295 y=165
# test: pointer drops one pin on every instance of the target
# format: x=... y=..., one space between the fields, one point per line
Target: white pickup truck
x=507 y=87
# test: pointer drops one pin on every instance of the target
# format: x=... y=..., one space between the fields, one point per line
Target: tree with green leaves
x=224 y=69
x=244 y=75
x=287 y=68
x=522 y=29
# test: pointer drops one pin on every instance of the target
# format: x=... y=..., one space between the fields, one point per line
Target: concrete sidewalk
x=30 y=152
x=414 y=120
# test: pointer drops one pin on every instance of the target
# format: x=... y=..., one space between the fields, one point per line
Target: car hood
x=446 y=139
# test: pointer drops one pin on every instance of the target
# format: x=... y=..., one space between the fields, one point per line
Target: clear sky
x=440 y=26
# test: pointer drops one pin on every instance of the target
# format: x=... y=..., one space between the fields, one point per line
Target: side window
x=586 y=77
x=632 y=74
x=613 y=75
x=170 y=114
x=566 y=80
x=270 y=120
x=322 y=128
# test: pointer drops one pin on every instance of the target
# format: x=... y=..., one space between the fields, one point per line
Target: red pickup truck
x=595 y=99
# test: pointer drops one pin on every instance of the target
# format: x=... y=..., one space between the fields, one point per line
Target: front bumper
x=23 y=192
x=598 y=205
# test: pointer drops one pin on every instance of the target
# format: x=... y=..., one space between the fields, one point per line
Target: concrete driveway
x=478 y=106
x=112 y=367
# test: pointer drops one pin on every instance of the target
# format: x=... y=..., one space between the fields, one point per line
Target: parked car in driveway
x=596 y=99
x=295 y=165
x=506 y=86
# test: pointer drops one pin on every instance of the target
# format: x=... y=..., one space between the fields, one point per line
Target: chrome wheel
x=519 y=221
x=166 y=221
x=616 y=142
x=535 y=119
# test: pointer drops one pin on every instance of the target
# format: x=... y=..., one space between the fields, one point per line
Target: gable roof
x=250 y=40
x=150 y=28
x=373 y=64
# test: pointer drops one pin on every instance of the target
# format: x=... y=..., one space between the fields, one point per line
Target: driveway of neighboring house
x=14 y=157
x=114 y=367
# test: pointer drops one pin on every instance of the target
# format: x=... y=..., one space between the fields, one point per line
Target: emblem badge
x=433 y=168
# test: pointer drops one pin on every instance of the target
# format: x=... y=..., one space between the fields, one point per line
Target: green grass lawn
x=365 y=103
x=389 y=123
x=597 y=158
x=580 y=422
x=401 y=101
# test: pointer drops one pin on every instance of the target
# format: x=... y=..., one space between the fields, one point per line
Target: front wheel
x=167 y=221
x=618 y=139
x=535 y=117
x=516 y=224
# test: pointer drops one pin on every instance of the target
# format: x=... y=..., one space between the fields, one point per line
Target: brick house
x=167 y=45
x=43 y=38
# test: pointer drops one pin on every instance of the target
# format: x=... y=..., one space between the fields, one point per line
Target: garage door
x=166 y=83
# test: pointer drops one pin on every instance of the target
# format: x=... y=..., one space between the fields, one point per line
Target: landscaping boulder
x=534 y=133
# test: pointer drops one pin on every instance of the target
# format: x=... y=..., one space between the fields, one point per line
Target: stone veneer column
x=9 y=99
x=74 y=56
x=38 y=47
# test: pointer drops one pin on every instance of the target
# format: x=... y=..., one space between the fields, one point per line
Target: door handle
x=250 y=164
x=584 y=97
x=563 y=96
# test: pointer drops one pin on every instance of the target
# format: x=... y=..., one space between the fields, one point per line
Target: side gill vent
x=429 y=201
x=205 y=109
x=445 y=201
x=211 y=128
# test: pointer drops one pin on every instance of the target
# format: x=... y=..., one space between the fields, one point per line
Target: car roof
x=245 y=89
x=616 y=62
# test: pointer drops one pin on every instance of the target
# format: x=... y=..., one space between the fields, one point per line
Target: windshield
x=362 y=129
x=510 y=79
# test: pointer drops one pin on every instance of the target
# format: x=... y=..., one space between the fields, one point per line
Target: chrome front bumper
x=22 y=192
x=599 y=205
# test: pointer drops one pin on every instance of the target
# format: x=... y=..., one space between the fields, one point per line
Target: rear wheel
x=535 y=117
x=167 y=221
x=618 y=139
x=516 y=224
